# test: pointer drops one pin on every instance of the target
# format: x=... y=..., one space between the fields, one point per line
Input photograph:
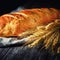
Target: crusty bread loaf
x=15 y=23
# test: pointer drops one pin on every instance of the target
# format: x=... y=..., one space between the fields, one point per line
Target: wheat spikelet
x=50 y=35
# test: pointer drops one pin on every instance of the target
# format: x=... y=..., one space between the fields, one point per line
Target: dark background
x=7 y=6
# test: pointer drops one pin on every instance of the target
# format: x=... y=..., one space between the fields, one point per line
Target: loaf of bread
x=13 y=24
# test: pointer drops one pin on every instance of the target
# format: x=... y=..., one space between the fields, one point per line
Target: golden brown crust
x=17 y=22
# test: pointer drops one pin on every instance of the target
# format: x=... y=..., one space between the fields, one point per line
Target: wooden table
x=25 y=53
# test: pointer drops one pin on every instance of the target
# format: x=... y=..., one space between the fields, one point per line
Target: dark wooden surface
x=24 y=53
x=21 y=53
